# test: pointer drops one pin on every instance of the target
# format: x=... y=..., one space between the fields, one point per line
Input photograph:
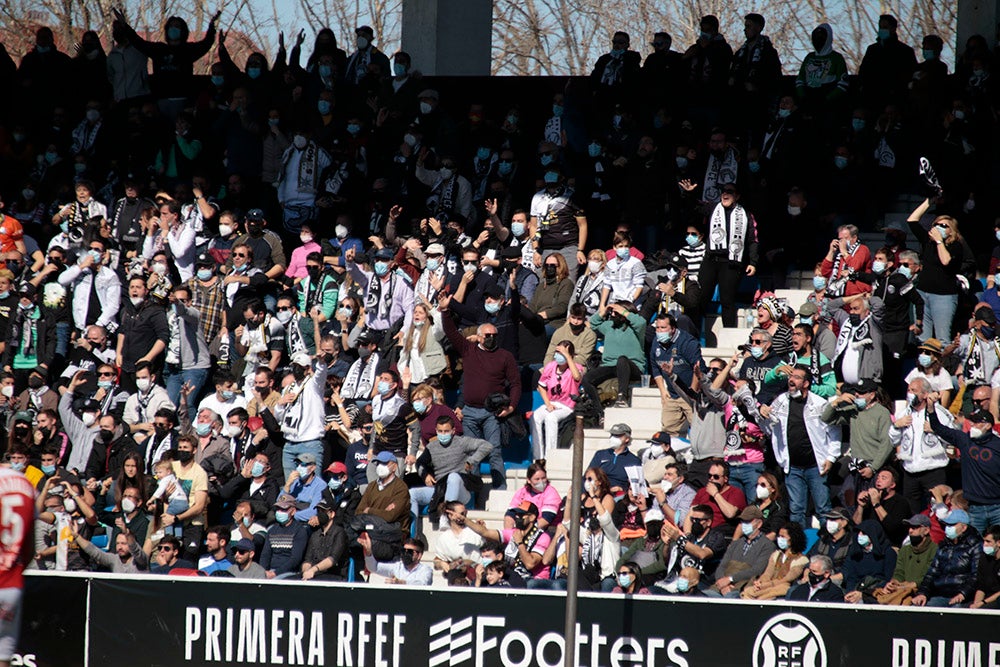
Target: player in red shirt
x=17 y=518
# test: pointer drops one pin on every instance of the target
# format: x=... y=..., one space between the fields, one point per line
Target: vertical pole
x=573 y=575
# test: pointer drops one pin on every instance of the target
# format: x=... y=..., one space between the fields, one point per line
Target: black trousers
x=625 y=370
x=727 y=276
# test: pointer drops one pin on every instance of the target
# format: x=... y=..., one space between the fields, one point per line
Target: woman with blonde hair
x=942 y=254
x=420 y=344
x=428 y=410
x=589 y=285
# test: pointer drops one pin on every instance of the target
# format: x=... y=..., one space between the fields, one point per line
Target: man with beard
x=144 y=326
x=194 y=480
x=560 y=221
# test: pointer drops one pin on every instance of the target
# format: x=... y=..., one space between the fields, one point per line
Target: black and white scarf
x=513 y=556
x=308 y=167
x=612 y=71
x=588 y=291
x=374 y=303
x=442 y=197
x=855 y=336
x=838 y=282
x=974 y=367
x=296 y=343
x=720 y=171
x=360 y=378
x=735 y=240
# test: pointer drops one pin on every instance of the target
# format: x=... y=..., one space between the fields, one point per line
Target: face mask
x=756 y=352
x=19 y=467
x=832 y=526
x=218 y=81
x=858 y=124
x=284 y=316
x=323 y=106
x=353 y=129
x=883 y=34
x=682 y=584
x=784 y=113
x=976 y=433
x=682 y=162
x=915 y=540
x=444 y=438
x=334 y=484
x=128 y=505
x=173 y=33
x=539 y=486
x=93 y=115
x=281 y=516
x=794 y=210
x=951 y=532
x=489 y=342
x=806 y=320
x=691 y=240
x=70 y=505
x=621 y=252
x=664 y=336
x=819 y=283
x=79 y=167
x=300 y=141
x=746 y=527
x=381 y=268
x=383 y=387
x=550 y=271
x=184 y=457
x=551 y=177
x=382 y=470
x=754 y=166
x=840 y=161
x=203 y=429
x=763 y=493
x=854 y=319
x=698 y=529
x=905 y=272
x=48 y=470
x=989 y=551
x=35 y=382
x=988 y=332
x=364 y=352
x=303 y=471
x=228 y=395
x=253 y=72
x=225 y=230
x=878 y=266
x=340 y=231
x=426 y=108
x=492 y=307
x=326 y=71
x=615 y=441
x=588 y=486
x=782 y=543
x=594 y=266
x=233 y=430
x=861 y=403
x=815 y=579
x=863 y=540
x=51 y=157
x=142 y=384
x=419 y=407
x=559 y=358
x=399 y=69
x=624 y=580
x=925 y=361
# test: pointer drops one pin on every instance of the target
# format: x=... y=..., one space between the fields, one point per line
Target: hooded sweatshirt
x=824 y=71
x=879 y=562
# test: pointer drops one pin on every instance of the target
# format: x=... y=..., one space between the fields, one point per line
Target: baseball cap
x=204 y=259
x=678 y=260
x=751 y=512
x=526 y=507
x=90 y=405
x=980 y=417
x=985 y=314
x=302 y=359
x=956 y=516
x=244 y=545
x=918 y=520
x=434 y=249
x=429 y=93
x=511 y=252
x=23 y=416
x=384 y=253
x=621 y=429
x=28 y=290
x=255 y=215
x=660 y=438
x=337 y=468
x=385 y=457
x=865 y=386
x=285 y=501
x=808 y=309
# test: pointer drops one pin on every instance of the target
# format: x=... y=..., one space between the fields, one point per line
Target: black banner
x=54 y=621
x=228 y=623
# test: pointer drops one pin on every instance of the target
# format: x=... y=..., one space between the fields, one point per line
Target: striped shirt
x=694 y=255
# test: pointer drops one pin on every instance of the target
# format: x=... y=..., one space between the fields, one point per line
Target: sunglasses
x=239 y=254
x=728 y=191
x=106 y=375
x=411 y=551
x=625 y=572
x=757 y=341
x=166 y=549
x=284 y=309
x=715 y=476
x=699 y=519
x=241 y=551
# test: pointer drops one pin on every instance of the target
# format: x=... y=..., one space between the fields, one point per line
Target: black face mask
x=21 y=431
x=577 y=328
x=35 y=382
x=916 y=540
x=313 y=272
x=550 y=271
x=815 y=579
x=697 y=528
x=183 y=457
x=855 y=319
x=106 y=436
x=323 y=517
x=299 y=373
x=409 y=558
x=161 y=430
x=364 y=352
x=489 y=342
x=254 y=229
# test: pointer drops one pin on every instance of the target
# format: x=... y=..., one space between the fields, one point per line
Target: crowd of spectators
x=256 y=324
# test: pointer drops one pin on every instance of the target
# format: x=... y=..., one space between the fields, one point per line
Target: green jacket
x=827 y=388
x=912 y=564
x=626 y=341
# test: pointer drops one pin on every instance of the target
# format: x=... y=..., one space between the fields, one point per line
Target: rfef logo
x=789 y=640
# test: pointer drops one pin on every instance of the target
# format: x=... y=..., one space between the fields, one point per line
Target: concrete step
x=795 y=297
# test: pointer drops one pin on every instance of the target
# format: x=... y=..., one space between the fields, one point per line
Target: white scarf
x=360 y=378
x=856 y=336
x=735 y=240
x=720 y=171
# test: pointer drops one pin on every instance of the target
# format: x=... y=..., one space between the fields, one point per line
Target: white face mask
x=136 y=300
x=225 y=230
x=305 y=238
x=615 y=441
x=594 y=266
x=88 y=418
x=539 y=486
x=426 y=108
x=382 y=470
x=300 y=141
x=7 y=390
x=588 y=486
x=233 y=431
x=666 y=485
x=70 y=505
x=832 y=526
x=763 y=493
x=142 y=384
x=284 y=316
x=128 y=505
x=340 y=231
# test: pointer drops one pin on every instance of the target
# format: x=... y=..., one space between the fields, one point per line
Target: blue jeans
x=63 y=332
x=175 y=380
x=801 y=483
x=420 y=496
x=984 y=516
x=941 y=601
x=744 y=478
x=482 y=424
x=293 y=449
x=546 y=584
x=939 y=311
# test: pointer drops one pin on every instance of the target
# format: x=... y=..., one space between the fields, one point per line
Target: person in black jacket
x=144 y=326
x=112 y=445
x=32 y=338
x=819 y=588
x=615 y=74
x=951 y=579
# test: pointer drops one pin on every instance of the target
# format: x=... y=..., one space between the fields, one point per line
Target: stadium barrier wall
x=117 y=621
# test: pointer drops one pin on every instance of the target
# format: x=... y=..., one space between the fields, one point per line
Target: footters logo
x=789 y=640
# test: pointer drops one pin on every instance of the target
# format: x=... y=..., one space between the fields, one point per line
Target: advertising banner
x=228 y=623
x=54 y=622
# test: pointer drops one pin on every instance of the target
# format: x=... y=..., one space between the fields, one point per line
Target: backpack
x=387 y=540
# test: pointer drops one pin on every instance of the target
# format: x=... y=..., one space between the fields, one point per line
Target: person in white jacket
x=91 y=273
x=923 y=454
x=625 y=275
x=804 y=445
x=300 y=410
x=178 y=234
